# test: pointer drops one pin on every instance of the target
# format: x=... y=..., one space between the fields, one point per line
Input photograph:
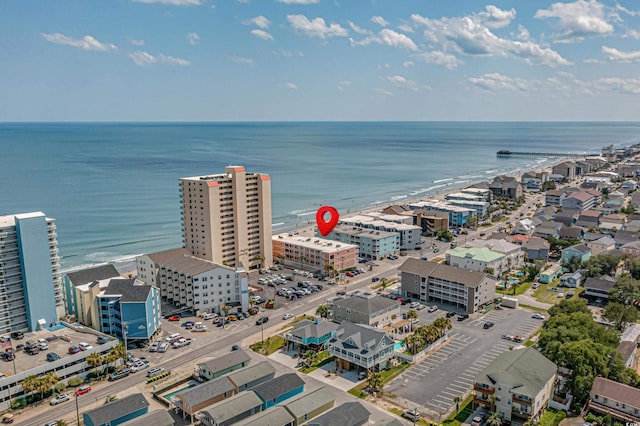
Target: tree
x=457 y=401
x=626 y=289
x=48 y=382
x=494 y=420
x=119 y=352
x=488 y=270
x=569 y=307
x=94 y=360
x=445 y=236
x=411 y=315
x=281 y=256
x=515 y=285
x=29 y=384
x=548 y=185
x=531 y=271
x=259 y=257
x=621 y=315
x=375 y=382
x=322 y=311
x=311 y=357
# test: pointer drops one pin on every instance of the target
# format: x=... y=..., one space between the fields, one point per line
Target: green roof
x=481 y=254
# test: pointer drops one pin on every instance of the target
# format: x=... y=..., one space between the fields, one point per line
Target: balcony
x=484 y=402
x=486 y=391
x=520 y=400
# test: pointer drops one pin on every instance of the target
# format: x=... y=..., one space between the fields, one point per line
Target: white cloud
x=85 y=43
x=193 y=38
x=497 y=18
x=316 y=27
x=406 y=28
x=262 y=34
x=469 y=35
x=440 y=58
x=382 y=92
x=402 y=82
x=618 y=85
x=613 y=54
x=299 y=1
x=591 y=61
x=632 y=34
x=388 y=37
x=136 y=42
x=358 y=29
x=523 y=33
x=173 y=2
x=577 y=20
x=497 y=81
x=288 y=53
x=291 y=86
x=380 y=21
x=142 y=58
x=407 y=64
x=627 y=11
x=260 y=22
x=241 y=60
x=344 y=84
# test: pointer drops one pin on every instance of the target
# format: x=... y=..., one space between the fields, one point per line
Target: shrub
x=75 y=381
x=60 y=386
x=18 y=403
x=158 y=377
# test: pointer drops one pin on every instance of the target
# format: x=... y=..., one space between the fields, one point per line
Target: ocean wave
x=469 y=177
x=442 y=180
x=398 y=197
x=277 y=224
x=376 y=202
x=461 y=181
x=491 y=171
x=306 y=213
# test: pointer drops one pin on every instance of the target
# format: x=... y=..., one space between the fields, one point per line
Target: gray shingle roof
x=602 y=283
x=526 y=370
x=305 y=329
x=616 y=392
x=275 y=416
x=626 y=349
x=425 y=268
x=117 y=409
x=233 y=406
x=205 y=391
x=348 y=414
x=353 y=338
x=216 y=365
x=367 y=305
x=310 y=401
x=98 y=273
x=154 y=418
x=249 y=374
x=129 y=291
x=181 y=260
x=278 y=386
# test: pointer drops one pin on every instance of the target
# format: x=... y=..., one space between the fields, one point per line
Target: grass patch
x=387 y=283
x=323 y=359
x=529 y=343
x=466 y=408
x=519 y=290
x=387 y=375
x=543 y=294
x=552 y=418
x=269 y=346
x=533 y=308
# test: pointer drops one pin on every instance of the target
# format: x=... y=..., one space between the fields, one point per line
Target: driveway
x=450 y=371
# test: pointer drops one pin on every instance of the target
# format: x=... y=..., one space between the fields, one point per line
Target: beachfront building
x=506 y=186
x=458 y=216
x=461 y=196
x=366 y=308
x=485 y=193
x=372 y=244
x=517 y=384
x=30 y=280
x=80 y=290
x=434 y=282
x=480 y=259
x=361 y=347
x=513 y=253
x=567 y=169
x=314 y=253
x=409 y=234
x=226 y=218
x=431 y=222
x=481 y=207
x=193 y=283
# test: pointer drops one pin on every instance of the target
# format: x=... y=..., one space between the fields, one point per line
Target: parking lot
x=448 y=372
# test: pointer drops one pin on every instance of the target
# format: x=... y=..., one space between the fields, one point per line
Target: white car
x=287 y=316
x=433 y=308
x=537 y=316
x=84 y=346
x=63 y=397
x=154 y=347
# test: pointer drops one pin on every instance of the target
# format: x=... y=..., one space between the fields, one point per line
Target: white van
x=155 y=371
x=172 y=337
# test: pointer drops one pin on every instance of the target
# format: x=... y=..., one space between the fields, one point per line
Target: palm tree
x=311 y=357
x=442 y=324
x=94 y=360
x=259 y=257
x=374 y=382
x=119 y=353
x=494 y=420
x=322 y=311
x=29 y=384
x=411 y=315
x=302 y=259
x=49 y=380
x=457 y=400
x=106 y=360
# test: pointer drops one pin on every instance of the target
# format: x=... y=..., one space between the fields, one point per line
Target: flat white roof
x=439 y=204
x=315 y=243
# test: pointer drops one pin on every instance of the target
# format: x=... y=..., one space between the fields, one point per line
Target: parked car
x=156 y=371
x=287 y=316
x=188 y=324
x=17 y=335
x=463 y=317
x=200 y=329
x=174 y=318
x=411 y=414
x=7 y=356
x=487 y=325
x=450 y=314
x=116 y=375
x=63 y=397
x=433 y=308
x=83 y=390
x=52 y=356
x=163 y=347
x=235 y=348
x=74 y=350
x=537 y=316
x=84 y=346
x=262 y=320
x=154 y=347
x=102 y=340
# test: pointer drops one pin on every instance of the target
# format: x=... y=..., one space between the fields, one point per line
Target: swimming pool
x=183 y=387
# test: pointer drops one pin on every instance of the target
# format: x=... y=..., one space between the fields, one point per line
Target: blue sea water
x=113 y=188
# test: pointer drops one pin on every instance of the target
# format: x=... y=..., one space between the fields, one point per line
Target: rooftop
x=310 y=401
x=232 y=406
x=128 y=290
x=273 y=416
x=249 y=374
x=196 y=395
x=365 y=232
x=154 y=418
x=367 y=303
x=616 y=391
x=425 y=268
x=305 y=329
x=348 y=414
x=278 y=386
x=481 y=254
x=86 y=276
x=225 y=361
x=314 y=243
x=117 y=409
x=181 y=260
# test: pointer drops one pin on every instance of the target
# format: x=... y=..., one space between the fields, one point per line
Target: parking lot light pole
x=77 y=410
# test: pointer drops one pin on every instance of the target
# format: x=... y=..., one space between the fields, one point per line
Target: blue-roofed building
x=117 y=412
x=279 y=389
x=580 y=251
x=312 y=335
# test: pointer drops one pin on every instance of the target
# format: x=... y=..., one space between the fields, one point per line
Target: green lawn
x=387 y=375
x=552 y=417
x=544 y=295
x=533 y=308
x=323 y=359
x=519 y=290
x=271 y=344
x=466 y=408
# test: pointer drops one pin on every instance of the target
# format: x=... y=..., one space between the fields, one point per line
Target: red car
x=83 y=389
x=74 y=350
x=174 y=318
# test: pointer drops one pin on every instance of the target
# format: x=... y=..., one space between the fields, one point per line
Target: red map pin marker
x=326 y=226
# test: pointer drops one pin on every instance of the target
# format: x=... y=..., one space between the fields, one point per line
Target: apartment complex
x=313 y=253
x=518 y=383
x=30 y=281
x=190 y=282
x=430 y=281
x=478 y=259
x=620 y=401
x=226 y=218
x=366 y=308
x=372 y=244
x=402 y=225
x=513 y=253
x=457 y=215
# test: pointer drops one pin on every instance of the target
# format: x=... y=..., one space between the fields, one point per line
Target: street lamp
x=77 y=410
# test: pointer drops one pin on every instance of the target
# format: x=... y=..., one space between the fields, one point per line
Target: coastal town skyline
x=199 y=60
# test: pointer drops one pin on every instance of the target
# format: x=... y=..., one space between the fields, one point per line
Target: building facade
x=82 y=287
x=620 y=401
x=31 y=295
x=408 y=232
x=362 y=347
x=368 y=309
x=458 y=216
x=226 y=218
x=478 y=259
x=372 y=244
x=314 y=253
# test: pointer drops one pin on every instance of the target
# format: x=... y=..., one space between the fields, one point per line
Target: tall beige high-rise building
x=226 y=218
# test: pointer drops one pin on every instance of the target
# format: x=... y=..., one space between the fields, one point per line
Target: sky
x=319 y=60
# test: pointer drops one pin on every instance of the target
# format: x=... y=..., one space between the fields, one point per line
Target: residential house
x=545 y=214
x=598 y=287
x=230 y=410
x=612 y=222
x=506 y=186
x=313 y=335
x=589 y=218
x=347 y=414
x=601 y=245
x=634 y=200
x=362 y=347
x=249 y=377
x=581 y=251
x=117 y=412
x=477 y=259
x=628 y=170
x=550 y=274
x=523 y=227
x=571 y=232
x=620 y=401
x=513 y=253
x=554 y=197
x=567 y=169
x=276 y=416
x=217 y=367
x=623 y=237
x=193 y=399
x=629 y=185
x=517 y=384
x=366 y=308
x=571 y=279
x=536 y=248
x=396 y=209
x=310 y=405
x=547 y=229
x=632 y=226
x=632 y=249
x=628 y=350
x=582 y=200
x=566 y=217
x=537 y=178
x=156 y=418
x=461 y=288
x=279 y=389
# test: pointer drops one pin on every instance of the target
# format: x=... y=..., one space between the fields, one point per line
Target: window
x=306 y=417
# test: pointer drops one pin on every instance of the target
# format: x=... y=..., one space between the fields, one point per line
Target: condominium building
x=226 y=218
x=314 y=253
x=409 y=233
x=190 y=282
x=481 y=207
x=480 y=259
x=513 y=253
x=482 y=192
x=457 y=215
x=372 y=244
x=30 y=282
x=431 y=281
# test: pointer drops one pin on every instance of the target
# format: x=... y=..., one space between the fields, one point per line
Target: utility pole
x=77 y=410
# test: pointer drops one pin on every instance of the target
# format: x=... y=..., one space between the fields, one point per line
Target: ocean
x=113 y=187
